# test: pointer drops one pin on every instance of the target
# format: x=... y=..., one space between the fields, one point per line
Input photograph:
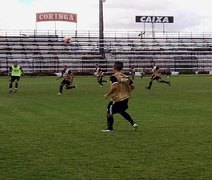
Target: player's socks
x=150 y=84
x=127 y=117
x=61 y=89
x=16 y=85
x=110 y=122
x=11 y=85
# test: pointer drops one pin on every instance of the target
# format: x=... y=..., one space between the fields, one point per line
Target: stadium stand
x=47 y=53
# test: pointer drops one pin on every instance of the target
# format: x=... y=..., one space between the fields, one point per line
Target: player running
x=121 y=87
x=64 y=72
x=156 y=75
x=67 y=82
x=100 y=78
x=132 y=72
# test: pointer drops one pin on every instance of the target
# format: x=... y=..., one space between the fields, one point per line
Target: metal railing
x=93 y=33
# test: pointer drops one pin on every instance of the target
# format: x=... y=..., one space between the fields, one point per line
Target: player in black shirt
x=156 y=75
x=100 y=78
x=67 y=82
x=64 y=71
x=121 y=87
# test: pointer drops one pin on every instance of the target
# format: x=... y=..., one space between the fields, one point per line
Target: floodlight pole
x=101 y=29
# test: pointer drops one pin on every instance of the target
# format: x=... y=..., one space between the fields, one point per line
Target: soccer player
x=64 y=72
x=15 y=73
x=100 y=78
x=168 y=72
x=142 y=72
x=121 y=87
x=97 y=70
x=156 y=75
x=132 y=72
x=67 y=82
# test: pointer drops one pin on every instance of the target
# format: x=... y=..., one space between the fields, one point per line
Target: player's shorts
x=65 y=82
x=99 y=78
x=14 y=78
x=117 y=107
x=155 y=78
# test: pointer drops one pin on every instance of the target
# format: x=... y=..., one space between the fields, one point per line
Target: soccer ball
x=67 y=40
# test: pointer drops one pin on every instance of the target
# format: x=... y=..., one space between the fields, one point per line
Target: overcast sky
x=189 y=15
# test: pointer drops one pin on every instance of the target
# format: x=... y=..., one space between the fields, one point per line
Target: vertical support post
x=76 y=31
x=101 y=29
x=153 y=30
x=55 y=28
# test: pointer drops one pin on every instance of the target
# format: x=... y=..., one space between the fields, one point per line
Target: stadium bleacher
x=48 y=53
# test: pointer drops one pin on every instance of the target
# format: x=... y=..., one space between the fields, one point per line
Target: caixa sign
x=154 y=19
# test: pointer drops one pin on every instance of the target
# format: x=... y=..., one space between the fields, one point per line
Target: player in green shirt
x=15 y=73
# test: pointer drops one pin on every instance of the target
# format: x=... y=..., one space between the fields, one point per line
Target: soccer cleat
x=59 y=94
x=147 y=88
x=10 y=91
x=135 y=126
x=16 y=90
x=169 y=83
x=106 y=130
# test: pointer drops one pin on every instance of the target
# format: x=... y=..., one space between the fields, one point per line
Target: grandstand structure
x=44 y=52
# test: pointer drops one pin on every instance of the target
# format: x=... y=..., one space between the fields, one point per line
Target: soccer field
x=45 y=136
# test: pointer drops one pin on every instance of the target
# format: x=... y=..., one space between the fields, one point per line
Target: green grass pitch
x=45 y=136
